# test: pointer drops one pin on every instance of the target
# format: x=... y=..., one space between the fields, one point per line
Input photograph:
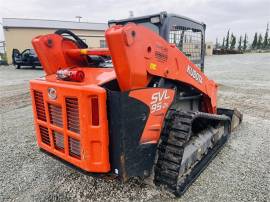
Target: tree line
x=259 y=42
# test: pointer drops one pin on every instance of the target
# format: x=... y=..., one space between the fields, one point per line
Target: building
x=2 y=47
x=19 y=32
x=209 y=46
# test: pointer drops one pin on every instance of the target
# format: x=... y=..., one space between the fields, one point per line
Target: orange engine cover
x=71 y=118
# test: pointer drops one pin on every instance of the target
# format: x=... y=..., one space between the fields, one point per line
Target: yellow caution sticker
x=83 y=51
x=153 y=66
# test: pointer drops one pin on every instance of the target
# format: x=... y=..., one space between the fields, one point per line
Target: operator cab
x=188 y=35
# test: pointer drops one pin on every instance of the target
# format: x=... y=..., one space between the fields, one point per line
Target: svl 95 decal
x=159 y=100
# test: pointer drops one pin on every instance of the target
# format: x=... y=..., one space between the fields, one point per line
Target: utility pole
x=131 y=14
x=79 y=18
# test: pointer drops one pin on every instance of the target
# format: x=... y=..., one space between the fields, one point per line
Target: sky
x=240 y=16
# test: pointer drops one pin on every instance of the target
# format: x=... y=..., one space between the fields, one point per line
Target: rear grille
x=55 y=115
x=44 y=133
x=74 y=147
x=58 y=140
x=40 y=105
x=73 y=115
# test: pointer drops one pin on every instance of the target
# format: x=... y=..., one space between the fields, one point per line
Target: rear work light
x=70 y=75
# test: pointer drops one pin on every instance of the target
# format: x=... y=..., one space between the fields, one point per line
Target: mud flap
x=127 y=119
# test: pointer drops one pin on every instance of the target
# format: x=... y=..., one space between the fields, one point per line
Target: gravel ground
x=240 y=172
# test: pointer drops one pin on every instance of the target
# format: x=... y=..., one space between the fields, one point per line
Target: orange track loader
x=140 y=108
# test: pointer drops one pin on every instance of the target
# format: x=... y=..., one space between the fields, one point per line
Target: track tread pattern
x=176 y=134
x=171 y=148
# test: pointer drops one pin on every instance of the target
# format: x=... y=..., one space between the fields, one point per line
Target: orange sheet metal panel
x=158 y=100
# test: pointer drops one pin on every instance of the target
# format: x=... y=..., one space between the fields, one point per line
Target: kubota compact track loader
x=141 y=107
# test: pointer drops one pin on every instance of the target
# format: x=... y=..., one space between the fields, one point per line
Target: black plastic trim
x=127 y=120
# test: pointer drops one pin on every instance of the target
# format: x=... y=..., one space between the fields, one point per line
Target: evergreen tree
x=265 y=41
x=223 y=43
x=227 y=40
x=217 y=45
x=259 y=43
x=255 y=41
x=240 y=43
x=245 y=42
x=232 y=42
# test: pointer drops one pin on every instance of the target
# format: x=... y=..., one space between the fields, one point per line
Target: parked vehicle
x=223 y=51
x=3 y=62
x=26 y=58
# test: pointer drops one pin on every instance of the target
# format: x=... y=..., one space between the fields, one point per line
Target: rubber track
x=176 y=134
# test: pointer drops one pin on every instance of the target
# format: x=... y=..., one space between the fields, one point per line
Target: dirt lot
x=241 y=171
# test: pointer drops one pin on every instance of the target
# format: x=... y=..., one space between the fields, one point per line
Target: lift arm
x=138 y=54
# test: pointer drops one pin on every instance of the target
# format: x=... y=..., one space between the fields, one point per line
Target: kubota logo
x=194 y=74
x=159 y=100
x=52 y=93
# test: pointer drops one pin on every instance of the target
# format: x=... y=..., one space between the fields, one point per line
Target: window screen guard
x=189 y=41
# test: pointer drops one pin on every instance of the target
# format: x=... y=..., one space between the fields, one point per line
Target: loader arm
x=139 y=54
